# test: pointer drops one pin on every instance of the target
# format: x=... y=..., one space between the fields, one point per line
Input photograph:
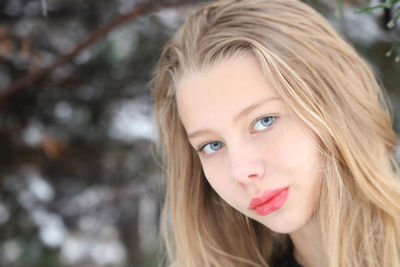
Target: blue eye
x=263 y=123
x=211 y=147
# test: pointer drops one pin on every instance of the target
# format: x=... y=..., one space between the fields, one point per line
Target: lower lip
x=273 y=204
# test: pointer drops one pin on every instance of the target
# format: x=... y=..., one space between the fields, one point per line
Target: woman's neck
x=308 y=245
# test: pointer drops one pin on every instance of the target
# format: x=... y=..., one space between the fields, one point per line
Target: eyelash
x=203 y=145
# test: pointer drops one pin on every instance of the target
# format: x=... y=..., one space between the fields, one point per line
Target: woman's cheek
x=215 y=173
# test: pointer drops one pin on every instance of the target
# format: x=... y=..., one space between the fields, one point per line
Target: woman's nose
x=246 y=170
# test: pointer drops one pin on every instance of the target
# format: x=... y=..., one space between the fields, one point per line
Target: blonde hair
x=332 y=90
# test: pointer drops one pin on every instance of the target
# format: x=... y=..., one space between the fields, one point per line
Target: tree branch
x=36 y=75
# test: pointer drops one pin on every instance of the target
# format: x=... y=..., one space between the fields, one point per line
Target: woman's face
x=255 y=153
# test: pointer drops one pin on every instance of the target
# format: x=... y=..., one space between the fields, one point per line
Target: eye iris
x=266 y=121
x=215 y=145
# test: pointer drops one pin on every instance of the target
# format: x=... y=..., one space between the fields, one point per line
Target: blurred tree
x=389 y=18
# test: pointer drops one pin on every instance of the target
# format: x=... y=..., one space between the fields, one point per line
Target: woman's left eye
x=263 y=123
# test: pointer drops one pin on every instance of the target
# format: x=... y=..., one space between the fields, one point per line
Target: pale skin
x=249 y=141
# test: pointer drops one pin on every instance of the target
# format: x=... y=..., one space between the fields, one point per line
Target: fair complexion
x=249 y=141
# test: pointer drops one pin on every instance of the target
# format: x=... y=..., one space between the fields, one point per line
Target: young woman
x=278 y=143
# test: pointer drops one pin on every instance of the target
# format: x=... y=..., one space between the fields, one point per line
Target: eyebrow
x=246 y=111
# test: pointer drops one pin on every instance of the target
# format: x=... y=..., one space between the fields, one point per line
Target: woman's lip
x=269 y=200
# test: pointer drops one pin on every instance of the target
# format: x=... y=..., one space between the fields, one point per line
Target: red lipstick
x=269 y=201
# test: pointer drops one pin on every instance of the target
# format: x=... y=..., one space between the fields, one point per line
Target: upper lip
x=265 y=196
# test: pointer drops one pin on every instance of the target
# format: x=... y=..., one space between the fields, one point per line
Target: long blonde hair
x=330 y=88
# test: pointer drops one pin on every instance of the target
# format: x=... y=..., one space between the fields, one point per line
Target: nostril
x=253 y=176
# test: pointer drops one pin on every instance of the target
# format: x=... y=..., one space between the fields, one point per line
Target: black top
x=288 y=261
x=284 y=254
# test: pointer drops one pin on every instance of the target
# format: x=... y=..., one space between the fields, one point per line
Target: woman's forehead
x=225 y=89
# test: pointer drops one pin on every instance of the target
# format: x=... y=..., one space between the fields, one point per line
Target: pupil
x=215 y=145
x=266 y=121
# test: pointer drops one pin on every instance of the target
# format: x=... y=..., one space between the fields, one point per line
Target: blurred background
x=79 y=183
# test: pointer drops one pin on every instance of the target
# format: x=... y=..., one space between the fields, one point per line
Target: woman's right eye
x=211 y=147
